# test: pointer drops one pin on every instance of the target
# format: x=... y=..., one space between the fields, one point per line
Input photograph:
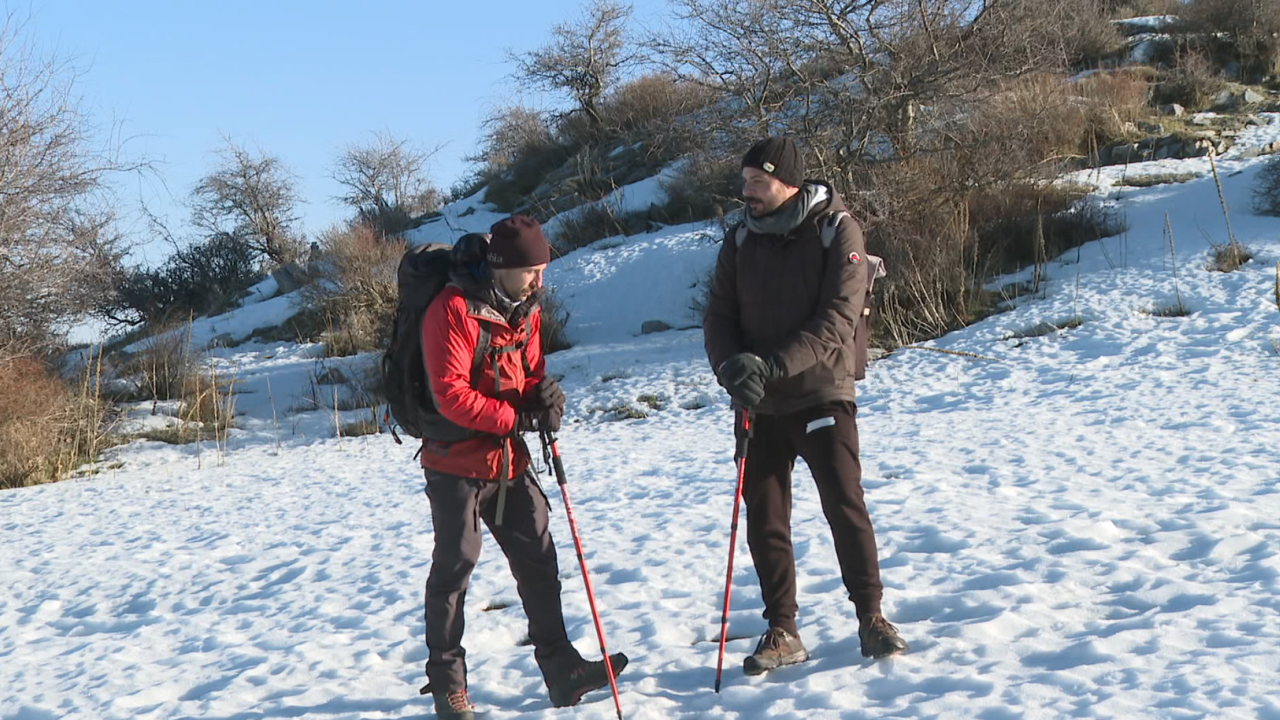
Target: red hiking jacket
x=487 y=402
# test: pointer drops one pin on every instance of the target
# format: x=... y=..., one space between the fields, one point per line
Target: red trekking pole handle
x=748 y=423
x=549 y=445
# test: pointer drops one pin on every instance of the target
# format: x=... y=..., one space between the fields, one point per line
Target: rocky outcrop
x=1175 y=146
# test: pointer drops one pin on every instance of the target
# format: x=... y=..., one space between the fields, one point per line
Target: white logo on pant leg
x=819 y=424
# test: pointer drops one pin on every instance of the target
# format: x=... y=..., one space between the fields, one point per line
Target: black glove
x=549 y=394
x=745 y=375
x=544 y=409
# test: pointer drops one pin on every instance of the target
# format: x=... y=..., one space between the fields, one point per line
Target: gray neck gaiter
x=791 y=214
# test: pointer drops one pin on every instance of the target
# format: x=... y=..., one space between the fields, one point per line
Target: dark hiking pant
x=458 y=505
x=826 y=437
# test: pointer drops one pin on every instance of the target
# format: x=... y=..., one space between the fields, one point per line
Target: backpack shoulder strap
x=828 y=226
x=482 y=348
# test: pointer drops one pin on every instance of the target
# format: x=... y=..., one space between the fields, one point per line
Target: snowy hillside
x=1080 y=524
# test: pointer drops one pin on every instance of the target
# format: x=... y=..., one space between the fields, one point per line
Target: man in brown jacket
x=779 y=329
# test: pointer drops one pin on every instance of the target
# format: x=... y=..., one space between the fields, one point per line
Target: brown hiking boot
x=880 y=638
x=454 y=705
x=569 y=688
x=776 y=648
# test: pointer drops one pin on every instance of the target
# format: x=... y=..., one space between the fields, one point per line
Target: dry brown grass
x=659 y=111
x=356 y=291
x=1112 y=101
x=48 y=426
x=358 y=428
x=1229 y=257
x=942 y=242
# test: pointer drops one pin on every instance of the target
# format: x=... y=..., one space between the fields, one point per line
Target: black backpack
x=424 y=272
x=875 y=269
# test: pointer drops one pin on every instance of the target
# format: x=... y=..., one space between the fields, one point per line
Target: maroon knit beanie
x=779 y=157
x=517 y=242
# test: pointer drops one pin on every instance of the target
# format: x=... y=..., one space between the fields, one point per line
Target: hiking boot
x=879 y=637
x=776 y=648
x=454 y=705
x=586 y=676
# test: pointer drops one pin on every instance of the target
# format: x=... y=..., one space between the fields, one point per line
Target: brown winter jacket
x=785 y=296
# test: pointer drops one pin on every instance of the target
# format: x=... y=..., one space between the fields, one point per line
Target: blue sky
x=297 y=79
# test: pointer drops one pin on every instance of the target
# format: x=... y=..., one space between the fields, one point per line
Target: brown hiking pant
x=458 y=505
x=826 y=436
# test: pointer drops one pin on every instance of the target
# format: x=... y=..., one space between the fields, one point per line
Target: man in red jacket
x=481 y=342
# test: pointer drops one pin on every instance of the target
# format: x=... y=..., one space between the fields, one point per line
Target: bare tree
x=386 y=182
x=251 y=197
x=911 y=108
x=584 y=57
x=742 y=49
x=57 y=238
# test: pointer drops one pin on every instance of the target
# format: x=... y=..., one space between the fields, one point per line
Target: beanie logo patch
x=769 y=167
x=494 y=259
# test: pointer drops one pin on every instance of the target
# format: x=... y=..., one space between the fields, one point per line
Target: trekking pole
x=747 y=430
x=550 y=449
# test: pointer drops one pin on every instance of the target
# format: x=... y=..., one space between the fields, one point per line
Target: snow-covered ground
x=1085 y=524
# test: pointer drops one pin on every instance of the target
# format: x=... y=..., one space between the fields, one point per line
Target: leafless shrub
x=1229 y=257
x=658 y=111
x=58 y=249
x=1192 y=83
x=356 y=289
x=1021 y=225
x=205 y=278
x=252 y=197
x=914 y=111
x=1112 y=101
x=516 y=153
x=385 y=181
x=593 y=222
x=1090 y=39
x=555 y=321
x=583 y=58
x=1253 y=27
x=706 y=186
x=163 y=368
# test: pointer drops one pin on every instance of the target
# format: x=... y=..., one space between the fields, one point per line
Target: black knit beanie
x=779 y=157
x=517 y=242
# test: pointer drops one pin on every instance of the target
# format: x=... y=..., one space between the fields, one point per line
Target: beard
x=522 y=293
x=758 y=207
